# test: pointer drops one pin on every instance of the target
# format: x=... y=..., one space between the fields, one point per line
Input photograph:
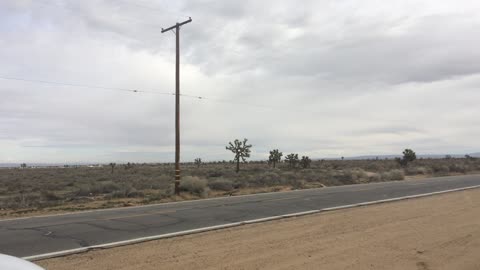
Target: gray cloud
x=323 y=78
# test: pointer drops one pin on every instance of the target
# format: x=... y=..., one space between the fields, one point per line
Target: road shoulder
x=438 y=232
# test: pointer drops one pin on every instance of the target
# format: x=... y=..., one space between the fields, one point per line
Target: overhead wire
x=206 y=98
x=163 y=10
x=256 y=105
x=84 y=85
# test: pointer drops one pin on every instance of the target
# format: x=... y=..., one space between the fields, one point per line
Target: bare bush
x=50 y=196
x=439 y=169
x=375 y=177
x=193 y=185
x=221 y=184
x=393 y=175
x=44 y=187
x=268 y=179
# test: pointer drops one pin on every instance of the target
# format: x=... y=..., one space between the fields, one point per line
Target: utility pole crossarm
x=176 y=25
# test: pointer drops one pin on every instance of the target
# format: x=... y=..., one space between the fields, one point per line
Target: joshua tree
x=305 y=162
x=408 y=156
x=292 y=160
x=113 y=165
x=128 y=166
x=275 y=156
x=198 y=162
x=241 y=150
x=23 y=165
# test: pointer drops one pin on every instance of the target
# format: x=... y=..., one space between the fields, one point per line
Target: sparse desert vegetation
x=27 y=190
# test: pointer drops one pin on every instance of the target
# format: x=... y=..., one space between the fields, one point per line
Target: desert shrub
x=374 y=166
x=134 y=193
x=125 y=192
x=350 y=176
x=393 y=175
x=308 y=175
x=440 y=169
x=50 y=196
x=257 y=169
x=358 y=174
x=417 y=170
x=221 y=184
x=43 y=186
x=116 y=195
x=298 y=184
x=268 y=179
x=15 y=186
x=160 y=182
x=423 y=170
x=215 y=173
x=103 y=178
x=70 y=184
x=343 y=177
x=460 y=168
x=329 y=179
x=193 y=185
x=97 y=188
x=289 y=176
x=20 y=201
x=157 y=196
x=238 y=183
x=375 y=177
x=107 y=187
x=397 y=175
x=83 y=190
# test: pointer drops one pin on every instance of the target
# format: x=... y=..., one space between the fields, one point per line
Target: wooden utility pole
x=176 y=29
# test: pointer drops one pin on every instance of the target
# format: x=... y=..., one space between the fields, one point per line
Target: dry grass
x=37 y=190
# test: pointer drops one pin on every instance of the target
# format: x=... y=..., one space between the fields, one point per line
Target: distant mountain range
x=418 y=156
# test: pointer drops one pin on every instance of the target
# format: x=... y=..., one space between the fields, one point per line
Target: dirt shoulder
x=438 y=232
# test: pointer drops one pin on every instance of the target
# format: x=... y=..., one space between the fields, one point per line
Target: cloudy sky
x=319 y=78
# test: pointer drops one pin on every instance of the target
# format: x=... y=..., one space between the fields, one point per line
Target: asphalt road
x=39 y=235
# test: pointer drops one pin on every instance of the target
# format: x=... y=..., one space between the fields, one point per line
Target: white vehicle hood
x=13 y=263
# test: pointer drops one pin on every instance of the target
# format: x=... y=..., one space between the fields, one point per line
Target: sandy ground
x=439 y=232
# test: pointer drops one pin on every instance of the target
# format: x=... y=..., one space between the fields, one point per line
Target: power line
x=237 y=103
x=206 y=98
x=84 y=85
x=98 y=87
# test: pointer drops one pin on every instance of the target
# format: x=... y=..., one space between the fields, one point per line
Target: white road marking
x=229 y=225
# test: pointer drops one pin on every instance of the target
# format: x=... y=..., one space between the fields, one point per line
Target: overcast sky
x=318 y=78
